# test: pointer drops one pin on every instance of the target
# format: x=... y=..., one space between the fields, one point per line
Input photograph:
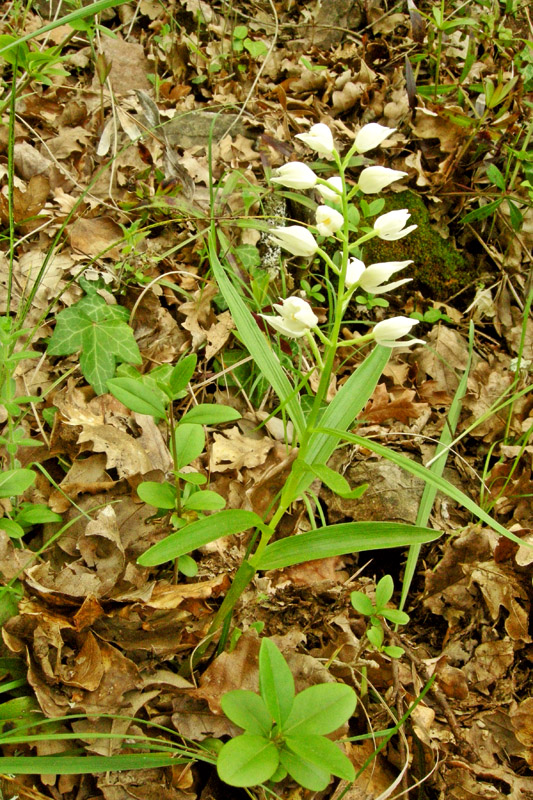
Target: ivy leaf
x=102 y=334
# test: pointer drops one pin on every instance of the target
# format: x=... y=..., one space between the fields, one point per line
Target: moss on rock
x=439 y=270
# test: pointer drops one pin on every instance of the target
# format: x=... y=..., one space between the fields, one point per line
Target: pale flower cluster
x=295 y=317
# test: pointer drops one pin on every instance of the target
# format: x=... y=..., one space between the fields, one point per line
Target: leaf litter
x=98 y=634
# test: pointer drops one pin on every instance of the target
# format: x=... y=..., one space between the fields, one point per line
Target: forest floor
x=119 y=132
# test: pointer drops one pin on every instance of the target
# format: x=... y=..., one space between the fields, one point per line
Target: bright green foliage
x=283 y=733
x=102 y=334
x=364 y=605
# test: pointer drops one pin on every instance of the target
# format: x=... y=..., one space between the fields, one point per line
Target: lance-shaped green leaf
x=199 y=533
x=337 y=540
x=276 y=683
x=255 y=341
x=136 y=396
x=426 y=475
x=102 y=334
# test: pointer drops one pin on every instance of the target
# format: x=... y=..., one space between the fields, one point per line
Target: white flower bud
x=296 y=317
x=354 y=270
x=330 y=194
x=371 y=136
x=391 y=226
x=319 y=139
x=328 y=220
x=296 y=239
x=373 y=279
x=374 y=179
x=295 y=175
x=388 y=332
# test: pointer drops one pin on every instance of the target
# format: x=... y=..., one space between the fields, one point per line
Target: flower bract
x=374 y=179
x=296 y=239
x=328 y=220
x=319 y=138
x=295 y=175
x=295 y=317
x=388 y=333
x=371 y=136
x=391 y=226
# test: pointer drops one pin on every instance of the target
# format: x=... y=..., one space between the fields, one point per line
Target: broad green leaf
x=337 y=540
x=136 y=396
x=254 y=340
x=188 y=566
x=102 y=334
x=276 y=683
x=395 y=616
x=159 y=495
x=205 y=501
x=310 y=776
x=494 y=175
x=210 y=414
x=384 y=591
x=37 y=515
x=362 y=603
x=247 y=710
x=17 y=707
x=198 y=533
x=320 y=709
x=323 y=753
x=375 y=636
x=482 y=212
x=189 y=443
x=247 y=760
x=83 y=765
x=13 y=529
x=428 y=477
x=15 y=481
x=182 y=374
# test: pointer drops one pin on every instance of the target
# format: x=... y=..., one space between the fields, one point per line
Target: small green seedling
x=364 y=605
x=284 y=733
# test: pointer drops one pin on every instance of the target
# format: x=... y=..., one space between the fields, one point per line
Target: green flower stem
x=362 y=239
x=314 y=349
x=324 y=256
x=368 y=337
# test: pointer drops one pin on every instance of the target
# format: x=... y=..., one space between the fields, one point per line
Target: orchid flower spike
x=374 y=179
x=295 y=317
x=296 y=239
x=328 y=220
x=371 y=135
x=319 y=138
x=391 y=226
x=295 y=175
x=388 y=333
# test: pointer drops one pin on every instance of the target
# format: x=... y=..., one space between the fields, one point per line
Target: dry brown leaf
x=233 y=450
x=444 y=358
x=383 y=406
x=96 y=237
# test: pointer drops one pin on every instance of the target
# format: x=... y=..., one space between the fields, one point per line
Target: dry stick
x=438 y=695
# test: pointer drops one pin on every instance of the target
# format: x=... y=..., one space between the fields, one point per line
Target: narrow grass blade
x=81 y=765
x=437 y=468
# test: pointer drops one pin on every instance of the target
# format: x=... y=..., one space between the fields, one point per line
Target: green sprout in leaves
x=102 y=334
x=364 y=605
x=284 y=733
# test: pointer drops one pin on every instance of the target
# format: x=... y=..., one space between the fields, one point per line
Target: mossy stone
x=439 y=270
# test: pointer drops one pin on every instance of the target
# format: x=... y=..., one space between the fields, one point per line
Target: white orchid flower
x=354 y=270
x=389 y=332
x=296 y=239
x=295 y=175
x=328 y=220
x=374 y=179
x=330 y=193
x=319 y=138
x=371 y=135
x=391 y=226
x=373 y=278
x=296 y=317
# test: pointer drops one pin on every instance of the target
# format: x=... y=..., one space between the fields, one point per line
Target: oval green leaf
x=159 y=495
x=247 y=760
x=205 y=501
x=276 y=683
x=247 y=710
x=210 y=414
x=137 y=396
x=320 y=709
x=15 y=481
x=189 y=443
x=322 y=753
